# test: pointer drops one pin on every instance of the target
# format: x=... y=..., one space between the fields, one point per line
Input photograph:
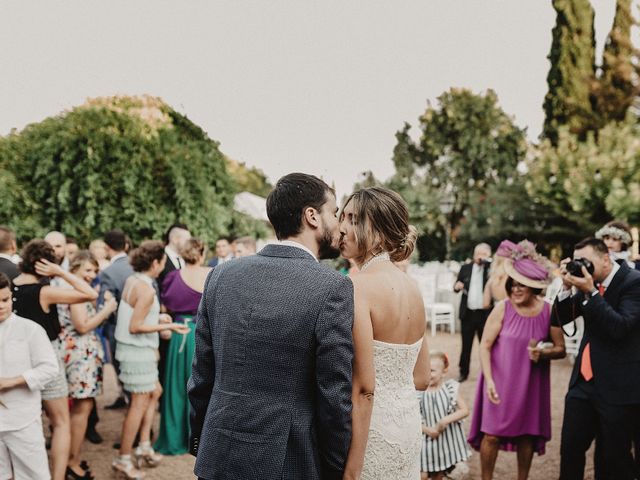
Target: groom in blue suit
x=270 y=388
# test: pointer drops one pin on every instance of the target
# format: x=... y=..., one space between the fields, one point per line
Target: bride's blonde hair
x=381 y=224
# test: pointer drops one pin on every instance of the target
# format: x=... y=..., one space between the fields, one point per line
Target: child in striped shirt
x=443 y=442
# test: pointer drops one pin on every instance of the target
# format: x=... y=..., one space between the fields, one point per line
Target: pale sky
x=284 y=85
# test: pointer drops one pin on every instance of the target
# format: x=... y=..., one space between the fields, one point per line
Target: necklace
x=376 y=258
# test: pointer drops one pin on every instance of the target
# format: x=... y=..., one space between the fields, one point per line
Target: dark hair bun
x=141 y=258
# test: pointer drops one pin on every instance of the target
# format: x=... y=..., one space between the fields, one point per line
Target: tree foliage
x=467 y=144
x=617 y=87
x=572 y=57
x=249 y=179
x=592 y=181
x=127 y=162
x=507 y=210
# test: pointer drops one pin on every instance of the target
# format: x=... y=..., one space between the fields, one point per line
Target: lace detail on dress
x=393 y=448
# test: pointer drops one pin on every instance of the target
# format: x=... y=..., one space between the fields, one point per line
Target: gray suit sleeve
x=106 y=285
x=200 y=384
x=334 y=356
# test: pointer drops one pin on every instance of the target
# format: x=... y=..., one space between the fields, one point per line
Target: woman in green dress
x=181 y=294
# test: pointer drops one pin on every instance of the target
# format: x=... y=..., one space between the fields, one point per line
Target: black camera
x=574 y=267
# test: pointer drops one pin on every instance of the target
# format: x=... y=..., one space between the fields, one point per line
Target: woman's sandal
x=126 y=471
x=147 y=458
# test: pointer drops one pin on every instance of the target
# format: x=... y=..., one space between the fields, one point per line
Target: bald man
x=471 y=281
x=59 y=243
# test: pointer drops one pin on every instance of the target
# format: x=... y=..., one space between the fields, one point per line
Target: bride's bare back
x=394 y=302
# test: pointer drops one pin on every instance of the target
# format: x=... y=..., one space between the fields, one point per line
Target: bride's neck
x=372 y=259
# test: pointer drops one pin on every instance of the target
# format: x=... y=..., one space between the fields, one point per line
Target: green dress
x=174 y=433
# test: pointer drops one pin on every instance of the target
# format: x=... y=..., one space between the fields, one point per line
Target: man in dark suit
x=174 y=239
x=112 y=280
x=471 y=281
x=224 y=252
x=604 y=390
x=270 y=388
x=8 y=249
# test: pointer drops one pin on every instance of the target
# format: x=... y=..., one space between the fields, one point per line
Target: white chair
x=441 y=314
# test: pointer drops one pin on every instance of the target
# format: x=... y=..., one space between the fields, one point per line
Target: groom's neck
x=307 y=240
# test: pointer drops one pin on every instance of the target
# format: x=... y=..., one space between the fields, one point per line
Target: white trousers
x=23 y=455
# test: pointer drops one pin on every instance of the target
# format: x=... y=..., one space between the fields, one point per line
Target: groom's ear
x=311 y=217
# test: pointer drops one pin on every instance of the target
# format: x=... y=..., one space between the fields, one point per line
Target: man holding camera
x=604 y=390
x=471 y=280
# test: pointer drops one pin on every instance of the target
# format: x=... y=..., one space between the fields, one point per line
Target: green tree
x=467 y=144
x=127 y=162
x=507 y=211
x=617 y=86
x=572 y=71
x=249 y=179
x=589 y=182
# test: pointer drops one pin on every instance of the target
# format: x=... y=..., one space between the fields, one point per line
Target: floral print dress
x=83 y=358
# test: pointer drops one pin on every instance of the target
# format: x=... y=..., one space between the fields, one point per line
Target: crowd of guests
x=135 y=308
x=65 y=312
x=520 y=329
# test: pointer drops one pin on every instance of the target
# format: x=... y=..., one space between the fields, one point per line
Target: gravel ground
x=544 y=467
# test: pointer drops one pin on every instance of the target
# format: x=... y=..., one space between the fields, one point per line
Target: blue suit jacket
x=270 y=388
x=612 y=328
x=112 y=279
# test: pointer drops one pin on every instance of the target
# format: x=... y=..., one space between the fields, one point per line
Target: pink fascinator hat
x=524 y=264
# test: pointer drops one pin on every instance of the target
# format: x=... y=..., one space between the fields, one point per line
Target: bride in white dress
x=389 y=338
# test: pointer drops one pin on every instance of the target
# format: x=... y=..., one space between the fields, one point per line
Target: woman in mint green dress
x=181 y=294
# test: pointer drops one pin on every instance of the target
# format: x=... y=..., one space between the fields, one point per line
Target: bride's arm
x=364 y=380
x=422 y=370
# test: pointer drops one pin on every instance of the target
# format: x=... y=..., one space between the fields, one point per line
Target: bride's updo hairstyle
x=381 y=224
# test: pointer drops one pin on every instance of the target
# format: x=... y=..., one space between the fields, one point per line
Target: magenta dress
x=524 y=387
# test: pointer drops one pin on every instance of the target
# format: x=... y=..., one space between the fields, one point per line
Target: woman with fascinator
x=512 y=409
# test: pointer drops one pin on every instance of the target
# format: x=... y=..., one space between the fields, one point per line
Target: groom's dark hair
x=291 y=195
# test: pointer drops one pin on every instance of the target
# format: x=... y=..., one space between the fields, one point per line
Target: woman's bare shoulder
x=499 y=307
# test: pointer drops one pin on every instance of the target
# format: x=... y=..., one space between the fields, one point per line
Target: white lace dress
x=395 y=435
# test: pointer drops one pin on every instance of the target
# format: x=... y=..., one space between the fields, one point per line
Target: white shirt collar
x=614 y=270
x=173 y=256
x=222 y=260
x=8 y=257
x=118 y=256
x=293 y=243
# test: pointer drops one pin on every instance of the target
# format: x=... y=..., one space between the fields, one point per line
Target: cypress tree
x=617 y=85
x=572 y=57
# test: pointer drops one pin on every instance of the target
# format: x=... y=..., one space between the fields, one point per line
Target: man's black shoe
x=462 y=378
x=93 y=436
x=119 y=403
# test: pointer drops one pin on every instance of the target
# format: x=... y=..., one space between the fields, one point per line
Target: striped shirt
x=451 y=446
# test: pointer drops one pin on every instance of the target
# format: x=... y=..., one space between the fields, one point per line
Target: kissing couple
x=300 y=372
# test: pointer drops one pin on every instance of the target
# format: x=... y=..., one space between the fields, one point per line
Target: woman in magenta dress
x=512 y=409
x=181 y=294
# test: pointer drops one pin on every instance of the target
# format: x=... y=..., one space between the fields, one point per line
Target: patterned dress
x=393 y=449
x=442 y=453
x=83 y=357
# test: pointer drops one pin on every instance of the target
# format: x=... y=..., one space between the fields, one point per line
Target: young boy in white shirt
x=27 y=363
